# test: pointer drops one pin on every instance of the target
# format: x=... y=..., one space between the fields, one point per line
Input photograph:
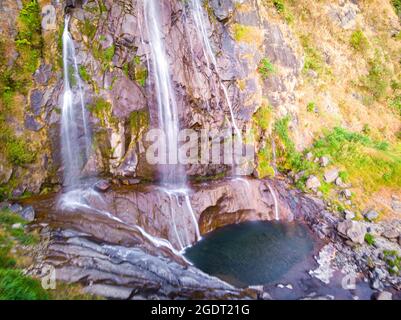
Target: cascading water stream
x=198 y=15
x=173 y=175
x=75 y=133
x=76 y=145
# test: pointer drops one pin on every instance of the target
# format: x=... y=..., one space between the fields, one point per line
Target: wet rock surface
x=105 y=248
x=120 y=253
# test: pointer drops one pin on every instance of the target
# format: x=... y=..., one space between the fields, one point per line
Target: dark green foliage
x=359 y=41
x=369 y=239
x=104 y=56
x=376 y=82
x=397 y=6
x=311 y=107
x=29 y=41
x=395 y=103
x=15 y=286
x=263 y=117
x=18 y=151
x=88 y=29
x=136 y=71
x=139 y=121
x=279 y=5
x=393 y=261
x=83 y=73
x=313 y=58
x=265 y=68
x=288 y=157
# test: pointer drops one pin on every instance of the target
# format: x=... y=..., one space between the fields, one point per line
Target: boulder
x=36 y=99
x=6 y=171
x=353 y=230
x=391 y=233
x=331 y=175
x=349 y=215
x=339 y=182
x=43 y=74
x=31 y=124
x=28 y=213
x=102 y=185
x=384 y=295
x=396 y=204
x=371 y=215
x=16 y=208
x=309 y=156
x=223 y=9
x=347 y=193
x=324 y=161
x=312 y=183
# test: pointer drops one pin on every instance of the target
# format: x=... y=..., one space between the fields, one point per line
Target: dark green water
x=252 y=253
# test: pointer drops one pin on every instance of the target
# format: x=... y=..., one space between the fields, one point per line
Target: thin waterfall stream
x=199 y=18
x=75 y=131
x=76 y=145
x=173 y=176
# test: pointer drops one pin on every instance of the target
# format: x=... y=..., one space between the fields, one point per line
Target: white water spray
x=166 y=100
x=75 y=133
x=199 y=17
x=173 y=176
x=276 y=210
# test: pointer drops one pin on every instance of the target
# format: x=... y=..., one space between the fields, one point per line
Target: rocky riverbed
x=114 y=246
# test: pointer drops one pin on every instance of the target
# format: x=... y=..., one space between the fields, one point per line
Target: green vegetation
x=15 y=286
x=262 y=120
x=282 y=9
x=104 y=56
x=287 y=157
x=311 y=107
x=376 y=82
x=139 y=121
x=136 y=71
x=397 y=6
x=263 y=117
x=393 y=261
x=395 y=104
x=15 y=245
x=248 y=34
x=368 y=164
x=264 y=167
x=16 y=79
x=369 y=239
x=279 y=5
x=29 y=40
x=265 y=68
x=109 y=53
x=313 y=58
x=83 y=73
x=88 y=29
x=16 y=149
x=359 y=41
x=101 y=109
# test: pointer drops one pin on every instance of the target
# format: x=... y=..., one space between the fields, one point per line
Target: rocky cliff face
x=113 y=55
x=273 y=62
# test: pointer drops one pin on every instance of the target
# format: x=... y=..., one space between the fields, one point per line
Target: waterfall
x=75 y=133
x=173 y=174
x=198 y=15
x=276 y=208
x=166 y=101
